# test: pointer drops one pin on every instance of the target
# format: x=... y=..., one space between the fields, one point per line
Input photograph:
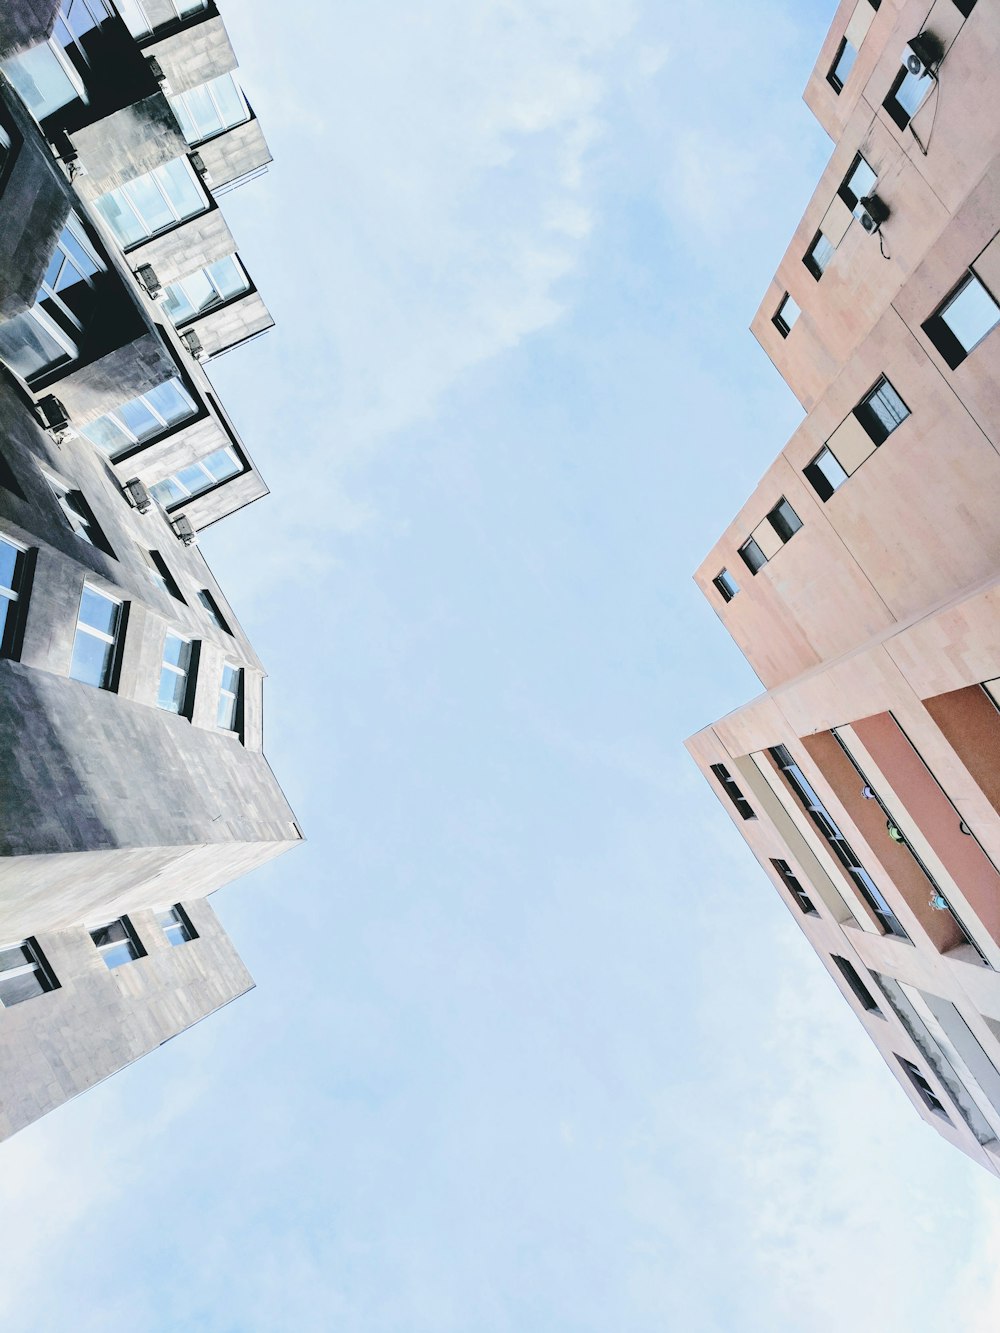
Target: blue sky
x=535 y=1047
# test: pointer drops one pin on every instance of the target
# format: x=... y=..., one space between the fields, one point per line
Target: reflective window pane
x=99 y=612
x=91 y=660
x=971 y=314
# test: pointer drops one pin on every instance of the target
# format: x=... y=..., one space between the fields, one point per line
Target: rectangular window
x=817 y=257
x=842 y=65
x=95 y=648
x=227 y=715
x=862 y=994
x=784 y=520
x=158 y=572
x=210 y=109
x=924 y=1090
x=176 y=925
x=200 y=292
x=144 y=207
x=196 y=478
x=24 y=973
x=78 y=514
x=117 y=942
x=729 y=786
x=785 y=316
x=858 y=183
x=752 y=556
x=175 y=674
x=212 y=607
x=825 y=474
x=906 y=95
x=141 y=419
x=726 y=585
x=965 y=7
x=962 y=321
x=881 y=411
x=793 y=886
x=12 y=563
x=138 y=22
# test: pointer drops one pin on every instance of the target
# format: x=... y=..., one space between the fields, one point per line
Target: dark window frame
x=779 y=522
x=818 y=479
x=940 y=335
x=778 y=318
x=809 y=260
x=729 y=785
x=745 y=555
x=922 y=1086
x=721 y=585
x=802 y=900
x=857 y=986
x=832 y=77
x=844 y=190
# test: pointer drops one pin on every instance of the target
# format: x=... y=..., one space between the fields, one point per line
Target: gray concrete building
x=133 y=782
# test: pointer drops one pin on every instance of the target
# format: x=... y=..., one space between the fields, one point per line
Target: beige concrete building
x=862 y=578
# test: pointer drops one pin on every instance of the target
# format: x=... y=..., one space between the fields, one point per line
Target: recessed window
x=906 y=96
x=227 y=716
x=199 y=292
x=141 y=419
x=158 y=572
x=752 y=556
x=784 y=520
x=12 y=565
x=175 y=674
x=881 y=411
x=152 y=203
x=793 y=886
x=924 y=1090
x=212 y=607
x=824 y=473
x=210 y=109
x=117 y=942
x=176 y=925
x=861 y=992
x=963 y=321
x=78 y=514
x=95 y=648
x=728 y=784
x=858 y=183
x=817 y=257
x=5 y=148
x=726 y=585
x=842 y=65
x=785 y=316
x=197 y=478
x=24 y=973
x=7 y=479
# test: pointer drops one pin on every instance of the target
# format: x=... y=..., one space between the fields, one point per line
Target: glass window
x=158 y=572
x=850 y=974
x=96 y=642
x=825 y=473
x=753 y=557
x=842 y=65
x=152 y=203
x=197 y=478
x=210 y=286
x=176 y=925
x=212 y=607
x=728 y=784
x=210 y=108
x=77 y=513
x=858 y=183
x=793 y=886
x=785 y=315
x=137 y=19
x=881 y=411
x=44 y=79
x=726 y=585
x=141 y=419
x=784 y=520
x=971 y=313
x=924 y=1090
x=117 y=942
x=818 y=256
x=227 y=715
x=906 y=95
x=12 y=562
x=24 y=973
x=174 y=674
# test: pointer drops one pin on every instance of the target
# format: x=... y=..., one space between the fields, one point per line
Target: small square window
x=825 y=473
x=881 y=411
x=817 y=257
x=24 y=973
x=728 y=785
x=98 y=631
x=212 y=607
x=752 y=556
x=924 y=1090
x=726 y=585
x=861 y=992
x=858 y=183
x=793 y=886
x=842 y=65
x=785 y=316
x=117 y=942
x=906 y=96
x=176 y=925
x=784 y=520
x=961 y=323
x=7 y=479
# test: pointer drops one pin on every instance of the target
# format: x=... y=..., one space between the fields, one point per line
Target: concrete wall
x=194 y=55
x=127 y=144
x=232 y=323
x=23 y=23
x=239 y=151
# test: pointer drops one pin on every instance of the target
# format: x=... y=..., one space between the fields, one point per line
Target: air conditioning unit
x=137 y=495
x=182 y=526
x=871 y=212
x=921 y=54
x=55 y=419
x=152 y=284
x=193 y=343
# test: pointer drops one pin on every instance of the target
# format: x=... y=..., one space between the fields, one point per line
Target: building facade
x=133 y=781
x=861 y=579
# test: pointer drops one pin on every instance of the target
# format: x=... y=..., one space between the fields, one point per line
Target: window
x=197 y=478
x=858 y=183
x=752 y=556
x=95 y=648
x=881 y=411
x=924 y=1090
x=963 y=321
x=143 y=207
x=825 y=474
x=177 y=925
x=141 y=419
x=46 y=335
x=5 y=147
x=785 y=315
x=862 y=994
x=726 y=585
x=175 y=675
x=784 y=520
x=728 y=784
x=210 y=109
x=117 y=942
x=158 y=572
x=793 y=886
x=45 y=79
x=199 y=292
x=839 y=845
x=227 y=715
x=817 y=257
x=138 y=22
x=842 y=65
x=24 y=973
x=7 y=479
x=12 y=562
x=77 y=513
x=212 y=607
x=904 y=98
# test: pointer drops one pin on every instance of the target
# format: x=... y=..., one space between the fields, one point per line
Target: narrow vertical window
x=784 y=520
x=842 y=65
x=817 y=257
x=923 y=1088
x=728 y=784
x=726 y=585
x=230 y=698
x=175 y=675
x=12 y=563
x=793 y=886
x=95 y=647
x=861 y=992
x=752 y=556
x=117 y=942
x=825 y=473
